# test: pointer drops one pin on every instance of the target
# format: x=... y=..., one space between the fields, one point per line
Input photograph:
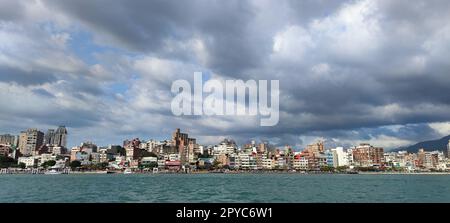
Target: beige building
x=29 y=141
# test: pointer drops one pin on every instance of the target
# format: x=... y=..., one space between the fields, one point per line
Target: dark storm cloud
x=24 y=77
x=146 y=26
x=346 y=68
x=11 y=10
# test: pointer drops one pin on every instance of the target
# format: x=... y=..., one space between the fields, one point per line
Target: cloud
x=349 y=71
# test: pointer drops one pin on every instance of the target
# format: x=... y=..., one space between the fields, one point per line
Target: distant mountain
x=438 y=144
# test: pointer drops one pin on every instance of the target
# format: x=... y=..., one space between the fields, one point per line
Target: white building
x=340 y=157
x=173 y=157
x=149 y=160
x=300 y=164
x=246 y=161
x=223 y=148
x=267 y=163
x=29 y=161
x=46 y=157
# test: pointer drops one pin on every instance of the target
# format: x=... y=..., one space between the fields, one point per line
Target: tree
x=6 y=162
x=103 y=165
x=22 y=165
x=150 y=165
x=48 y=163
x=204 y=155
x=216 y=164
x=75 y=164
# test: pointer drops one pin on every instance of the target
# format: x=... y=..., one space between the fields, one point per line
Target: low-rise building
x=29 y=161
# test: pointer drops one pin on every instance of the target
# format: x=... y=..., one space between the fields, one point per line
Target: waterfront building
x=132 y=149
x=45 y=157
x=300 y=162
x=149 y=160
x=246 y=161
x=330 y=158
x=173 y=165
x=30 y=140
x=29 y=161
x=366 y=155
x=267 y=164
x=161 y=164
x=281 y=163
x=234 y=162
x=340 y=157
x=431 y=160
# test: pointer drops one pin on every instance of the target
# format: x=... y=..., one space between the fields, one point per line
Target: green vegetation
x=204 y=156
x=22 y=165
x=148 y=166
x=327 y=169
x=6 y=162
x=49 y=163
x=75 y=164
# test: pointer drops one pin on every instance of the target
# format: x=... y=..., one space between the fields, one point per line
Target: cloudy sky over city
x=349 y=71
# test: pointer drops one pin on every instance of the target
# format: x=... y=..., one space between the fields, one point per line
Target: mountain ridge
x=429 y=145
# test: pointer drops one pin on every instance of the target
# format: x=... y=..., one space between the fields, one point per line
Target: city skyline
x=350 y=71
x=33 y=152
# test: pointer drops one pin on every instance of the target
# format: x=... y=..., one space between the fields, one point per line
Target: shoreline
x=227 y=173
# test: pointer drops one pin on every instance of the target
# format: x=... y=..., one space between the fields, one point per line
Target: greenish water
x=224 y=188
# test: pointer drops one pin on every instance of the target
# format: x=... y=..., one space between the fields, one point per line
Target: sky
x=373 y=71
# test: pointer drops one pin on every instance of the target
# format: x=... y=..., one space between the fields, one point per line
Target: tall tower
x=30 y=141
x=49 y=137
x=60 y=138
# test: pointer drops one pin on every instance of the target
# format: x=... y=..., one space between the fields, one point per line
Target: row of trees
x=8 y=162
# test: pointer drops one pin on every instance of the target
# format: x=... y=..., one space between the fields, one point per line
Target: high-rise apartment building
x=315 y=148
x=181 y=142
x=30 y=140
x=49 y=137
x=366 y=155
x=8 y=139
x=60 y=137
x=56 y=138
